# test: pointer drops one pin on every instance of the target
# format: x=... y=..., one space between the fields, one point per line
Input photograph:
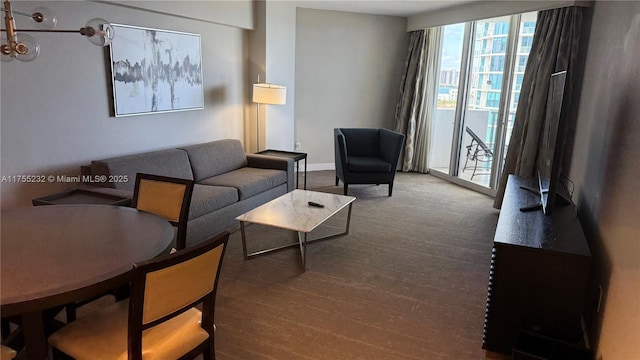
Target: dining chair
x=159 y=319
x=7 y=353
x=167 y=197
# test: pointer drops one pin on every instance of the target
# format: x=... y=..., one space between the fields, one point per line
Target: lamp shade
x=269 y=94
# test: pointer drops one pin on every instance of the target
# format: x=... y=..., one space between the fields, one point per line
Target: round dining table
x=55 y=255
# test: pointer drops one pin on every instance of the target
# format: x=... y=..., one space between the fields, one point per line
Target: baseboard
x=320 y=167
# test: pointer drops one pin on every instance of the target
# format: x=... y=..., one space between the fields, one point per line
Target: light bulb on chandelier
x=25 y=48
x=43 y=18
x=17 y=45
x=98 y=31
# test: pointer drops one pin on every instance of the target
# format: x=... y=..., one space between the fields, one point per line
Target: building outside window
x=487 y=87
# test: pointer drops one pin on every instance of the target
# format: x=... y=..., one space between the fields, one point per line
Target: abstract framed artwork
x=155 y=71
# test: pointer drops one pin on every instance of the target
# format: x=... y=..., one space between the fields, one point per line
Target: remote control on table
x=315 y=204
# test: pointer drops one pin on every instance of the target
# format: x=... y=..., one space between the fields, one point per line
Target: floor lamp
x=269 y=94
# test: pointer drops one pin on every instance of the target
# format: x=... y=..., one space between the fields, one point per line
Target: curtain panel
x=554 y=48
x=416 y=103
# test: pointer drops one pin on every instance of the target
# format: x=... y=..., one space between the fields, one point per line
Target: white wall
x=606 y=169
x=348 y=71
x=256 y=71
x=280 y=60
x=237 y=13
x=55 y=112
x=272 y=56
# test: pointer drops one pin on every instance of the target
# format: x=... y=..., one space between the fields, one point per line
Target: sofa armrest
x=276 y=163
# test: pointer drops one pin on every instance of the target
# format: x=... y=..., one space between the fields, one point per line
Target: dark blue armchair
x=367 y=156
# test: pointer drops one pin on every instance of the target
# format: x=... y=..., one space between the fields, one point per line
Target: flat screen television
x=551 y=191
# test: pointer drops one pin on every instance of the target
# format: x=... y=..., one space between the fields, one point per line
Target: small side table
x=296 y=156
x=81 y=196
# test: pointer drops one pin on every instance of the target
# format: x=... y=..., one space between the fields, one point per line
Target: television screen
x=552 y=143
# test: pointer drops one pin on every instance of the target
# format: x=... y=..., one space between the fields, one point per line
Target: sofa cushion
x=215 y=158
x=170 y=162
x=206 y=199
x=368 y=164
x=249 y=181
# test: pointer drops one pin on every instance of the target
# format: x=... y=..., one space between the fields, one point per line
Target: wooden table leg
x=34 y=336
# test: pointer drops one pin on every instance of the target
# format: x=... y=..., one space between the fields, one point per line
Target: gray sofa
x=228 y=182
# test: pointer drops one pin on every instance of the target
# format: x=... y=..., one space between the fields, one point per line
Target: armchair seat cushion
x=249 y=181
x=368 y=164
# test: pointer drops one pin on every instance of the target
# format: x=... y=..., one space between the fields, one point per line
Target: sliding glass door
x=481 y=67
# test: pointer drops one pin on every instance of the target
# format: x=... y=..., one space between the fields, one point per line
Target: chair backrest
x=368 y=142
x=167 y=286
x=479 y=141
x=167 y=197
x=7 y=353
x=362 y=141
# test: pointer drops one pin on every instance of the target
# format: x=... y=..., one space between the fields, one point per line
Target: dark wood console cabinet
x=539 y=271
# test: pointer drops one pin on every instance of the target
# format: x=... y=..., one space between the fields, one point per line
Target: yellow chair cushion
x=103 y=335
x=7 y=353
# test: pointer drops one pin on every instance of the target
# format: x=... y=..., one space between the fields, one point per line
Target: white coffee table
x=291 y=211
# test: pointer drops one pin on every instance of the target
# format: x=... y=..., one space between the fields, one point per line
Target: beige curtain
x=418 y=93
x=554 y=48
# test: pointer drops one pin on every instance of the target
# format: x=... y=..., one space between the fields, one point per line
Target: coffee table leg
x=244 y=240
x=348 y=219
x=302 y=240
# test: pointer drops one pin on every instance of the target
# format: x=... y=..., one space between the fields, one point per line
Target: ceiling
x=382 y=7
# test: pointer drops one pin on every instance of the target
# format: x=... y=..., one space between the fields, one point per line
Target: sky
x=452 y=46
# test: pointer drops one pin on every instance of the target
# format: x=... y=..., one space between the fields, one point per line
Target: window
x=487 y=88
x=501 y=28
x=499 y=45
x=518 y=82
x=451 y=60
x=496 y=81
x=497 y=63
x=529 y=27
x=525 y=46
x=493 y=99
x=522 y=63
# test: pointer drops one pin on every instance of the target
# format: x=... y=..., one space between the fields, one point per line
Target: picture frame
x=155 y=71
